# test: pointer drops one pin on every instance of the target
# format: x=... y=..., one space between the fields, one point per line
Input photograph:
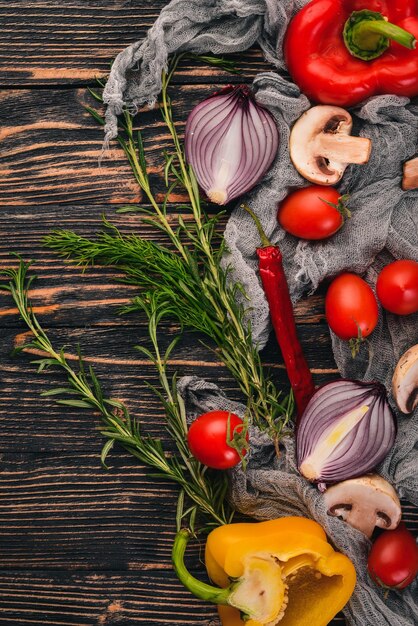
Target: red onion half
x=230 y=142
x=346 y=430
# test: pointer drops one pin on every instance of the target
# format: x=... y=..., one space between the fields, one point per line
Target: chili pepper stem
x=265 y=242
x=367 y=34
x=196 y=587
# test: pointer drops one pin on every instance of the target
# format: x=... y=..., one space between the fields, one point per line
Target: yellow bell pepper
x=281 y=571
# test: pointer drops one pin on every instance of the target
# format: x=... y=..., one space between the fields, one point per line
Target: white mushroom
x=321 y=146
x=364 y=503
x=405 y=381
x=410 y=174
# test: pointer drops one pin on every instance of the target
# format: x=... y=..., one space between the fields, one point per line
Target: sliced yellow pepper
x=280 y=571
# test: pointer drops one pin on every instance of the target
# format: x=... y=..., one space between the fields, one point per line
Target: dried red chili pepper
x=276 y=290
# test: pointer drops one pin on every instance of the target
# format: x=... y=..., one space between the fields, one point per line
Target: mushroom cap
x=405 y=381
x=321 y=146
x=364 y=503
x=305 y=150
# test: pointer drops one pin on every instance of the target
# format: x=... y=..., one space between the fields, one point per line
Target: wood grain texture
x=101 y=599
x=36 y=423
x=80 y=545
x=67 y=513
x=63 y=294
x=56 y=43
x=148 y=597
x=51 y=149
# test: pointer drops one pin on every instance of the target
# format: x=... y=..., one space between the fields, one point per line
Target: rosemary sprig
x=219 y=62
x=207 y=493
x=190 y=280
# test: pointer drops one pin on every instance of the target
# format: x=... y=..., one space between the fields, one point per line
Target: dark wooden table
x=80 y=545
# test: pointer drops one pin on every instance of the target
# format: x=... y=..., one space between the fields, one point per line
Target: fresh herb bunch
x=183 y=280
x=206 y=491
x=193 y=285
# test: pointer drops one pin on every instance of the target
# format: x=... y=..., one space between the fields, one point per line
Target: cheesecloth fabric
x=383 y=227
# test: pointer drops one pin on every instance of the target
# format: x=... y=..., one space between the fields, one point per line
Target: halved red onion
x=346 y=431
x=230 y=142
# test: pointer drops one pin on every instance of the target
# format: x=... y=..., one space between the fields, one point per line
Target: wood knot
x=111 y=614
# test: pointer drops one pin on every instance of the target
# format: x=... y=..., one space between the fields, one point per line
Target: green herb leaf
x=105 y=451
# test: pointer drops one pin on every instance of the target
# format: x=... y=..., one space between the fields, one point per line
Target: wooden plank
x=51 y=155
x=51 y=149
x=29 y=422
x=68 y=513
x=63 y=294
x=62 y=511
x=150 y=598
x=51 y=43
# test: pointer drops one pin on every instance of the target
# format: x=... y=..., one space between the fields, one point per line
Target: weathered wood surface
x=110 y=598
x=79 y=545
x=72 y=43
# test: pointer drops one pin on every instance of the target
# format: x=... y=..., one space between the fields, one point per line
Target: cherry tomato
x=351 y=307
x=314 y=212
x=208 y=439
x=393 y=558
x=397 y=287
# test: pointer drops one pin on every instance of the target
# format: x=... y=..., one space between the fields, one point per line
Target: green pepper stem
x=196 y=587
x=391 y=31
x=265 y=242
x=367 y=34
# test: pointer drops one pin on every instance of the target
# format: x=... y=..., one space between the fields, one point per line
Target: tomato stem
x=340 y=206
x=239 y=439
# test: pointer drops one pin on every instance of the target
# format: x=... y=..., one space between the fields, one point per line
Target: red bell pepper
x=344 y=51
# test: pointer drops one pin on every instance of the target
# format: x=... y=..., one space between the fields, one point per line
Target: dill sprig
x=194 y=300
x=187 y=274
x=206 y=490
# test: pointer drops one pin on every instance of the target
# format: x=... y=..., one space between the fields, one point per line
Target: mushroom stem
x=344 y=148
x=410 y=174
x=365 y=502
x=321 y=147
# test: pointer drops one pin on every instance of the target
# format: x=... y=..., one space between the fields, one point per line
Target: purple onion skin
x=364 y=447
x=230 y=142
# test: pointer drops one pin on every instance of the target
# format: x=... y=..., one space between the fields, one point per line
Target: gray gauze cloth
x=383 y=227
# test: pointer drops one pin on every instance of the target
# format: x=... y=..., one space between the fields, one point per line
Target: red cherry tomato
x=393 y=558
x=208 y=439
x=397 y=287
x=306 y=213
x=351 y=307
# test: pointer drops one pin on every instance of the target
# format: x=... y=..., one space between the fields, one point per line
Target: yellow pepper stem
x=260 y=593
x=196 y=587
